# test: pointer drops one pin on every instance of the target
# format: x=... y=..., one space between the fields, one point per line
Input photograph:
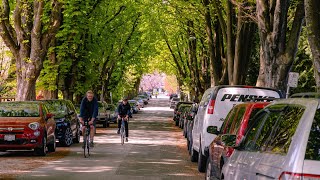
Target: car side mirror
x=213 y=130
x=229 y=140
x=49 y=115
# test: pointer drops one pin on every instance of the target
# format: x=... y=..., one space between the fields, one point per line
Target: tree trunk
x=312 y=9
x=28 y=41
x=277 y=53
x=215 y=67
x=230 y=41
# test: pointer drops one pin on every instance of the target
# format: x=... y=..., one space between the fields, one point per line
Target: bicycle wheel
x=88 y=146
x=84 y=146
x=122 y=135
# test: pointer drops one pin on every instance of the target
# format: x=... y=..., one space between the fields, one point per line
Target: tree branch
x=295 y=31
x=55 y=22
x=7 y=31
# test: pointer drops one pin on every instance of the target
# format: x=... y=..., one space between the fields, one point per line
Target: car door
x=266 y=143
x=50 y=124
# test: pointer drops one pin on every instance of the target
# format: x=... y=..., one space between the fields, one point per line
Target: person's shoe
x=118 y=131
x=91 y=144
x=126 y=139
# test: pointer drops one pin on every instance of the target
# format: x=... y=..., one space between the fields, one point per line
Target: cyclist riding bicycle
x=89 y=112
x=124 y=112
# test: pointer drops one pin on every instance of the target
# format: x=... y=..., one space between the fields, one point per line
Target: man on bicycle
x=89 y=112
x=124 y=112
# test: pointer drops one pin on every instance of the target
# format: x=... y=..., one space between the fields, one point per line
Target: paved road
x=156 y=150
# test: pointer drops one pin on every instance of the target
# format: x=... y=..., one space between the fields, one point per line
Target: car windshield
x=19 y=109
x=101 y=107
x=313 y=147
x=58 y=108
x=111 y=107
x=175 y=99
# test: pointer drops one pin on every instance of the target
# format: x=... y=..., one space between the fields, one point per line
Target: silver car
x=174 y=101
x=283 y=142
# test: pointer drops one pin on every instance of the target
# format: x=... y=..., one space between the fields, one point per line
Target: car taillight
x=294 y=176
x=211 y=107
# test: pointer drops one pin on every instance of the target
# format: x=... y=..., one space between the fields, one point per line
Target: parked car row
x=38 y=125
x=232 y=138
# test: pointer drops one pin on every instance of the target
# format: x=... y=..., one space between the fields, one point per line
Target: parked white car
x=215 y=104
x=283 y=142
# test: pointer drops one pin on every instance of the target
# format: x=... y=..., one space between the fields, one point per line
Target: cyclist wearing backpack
x=124 y=112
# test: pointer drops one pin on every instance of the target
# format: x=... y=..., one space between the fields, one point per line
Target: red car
x=236 y=123
x=27 y=126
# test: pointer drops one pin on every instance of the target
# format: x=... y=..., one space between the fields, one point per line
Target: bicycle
x=86 y=139
x=122 y=131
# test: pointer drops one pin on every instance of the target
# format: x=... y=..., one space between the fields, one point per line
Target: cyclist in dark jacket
x=89 y=112
x=124 y=112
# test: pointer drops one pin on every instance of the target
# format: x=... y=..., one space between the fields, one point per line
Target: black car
x=175 y=115
x=67 y=123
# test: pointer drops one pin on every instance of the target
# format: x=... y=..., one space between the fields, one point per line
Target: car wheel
x=209 y=175
x=188 y=144
x=67 y=138
x=202 y=160
x=193 y=154
x=42 y=151
x=52 y=146
x=77 y=138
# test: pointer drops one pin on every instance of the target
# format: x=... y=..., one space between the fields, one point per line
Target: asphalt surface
x=156 y=150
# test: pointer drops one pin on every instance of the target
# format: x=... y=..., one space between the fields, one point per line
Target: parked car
x=173 y=96
x=27 y=125
x=190 y=118
x=179 y=113
x=134 y=106
x=282 y=143
x=235 y=123
x=140 y=100
x=103 y=115
x=306 y=95
x=67 y=123
x=113 y=114
x=176 y=108
x=185 y=108
x=144 y=98
x=145 y=95
x=215 y=104
x=189 y=115
x=149 y=94
x=174 y=102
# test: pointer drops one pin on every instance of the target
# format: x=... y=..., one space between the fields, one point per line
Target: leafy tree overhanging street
x=66 y=47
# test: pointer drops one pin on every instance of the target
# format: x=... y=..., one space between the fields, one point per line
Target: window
x=19 y=109
x=205 y=98
x=237 y=121
x=228 y=121
x=273 y=130
x=313 y=146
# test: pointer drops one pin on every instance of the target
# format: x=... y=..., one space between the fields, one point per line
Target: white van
x=215 y=104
